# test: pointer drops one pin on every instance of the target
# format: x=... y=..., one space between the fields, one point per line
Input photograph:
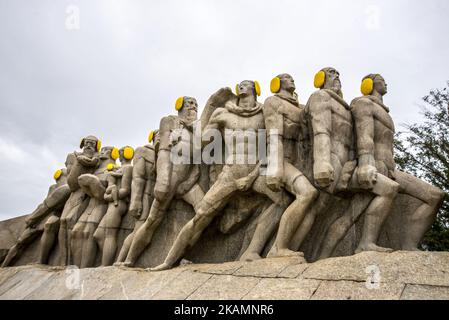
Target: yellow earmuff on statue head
x=151 y=136
x=367 y=86
x=275 y=85
x=128 y=153
x=179 y=103
x=110 y=167
x=115 y=154
x=257 y=87
x=237 y=89
x=57 y=174
x=320 y=79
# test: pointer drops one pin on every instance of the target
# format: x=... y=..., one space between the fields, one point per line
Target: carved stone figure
x=143 y=180
x=180 y=180
x=283 y=115
x=239 y=114
x=376 y=173
x=44 y=220
x=83 y=162
x=117 y=194
x=83 y=245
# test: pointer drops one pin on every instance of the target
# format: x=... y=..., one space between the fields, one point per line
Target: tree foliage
x=423 y=150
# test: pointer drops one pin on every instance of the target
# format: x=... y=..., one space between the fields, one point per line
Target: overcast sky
x=118 y=71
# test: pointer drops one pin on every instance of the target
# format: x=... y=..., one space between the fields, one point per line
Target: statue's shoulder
x=362 y=104
x=168 y=122
x=272 y=100
x=146 y=152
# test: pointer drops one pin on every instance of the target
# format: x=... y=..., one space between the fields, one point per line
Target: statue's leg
x=194 y=196
x=339 y=228
x=51 y=228
x=58 y=197
x=305 y=194
x=137 y=187
x=268 y=220
x=76 y=242
x=92 y=186
x=127 y=243
x=24 y=240
x=144 y=234
x=112 y=221
x=214 y=200
x=306 y=225
x=378 y=210
x=90 y=247
x=423 y=217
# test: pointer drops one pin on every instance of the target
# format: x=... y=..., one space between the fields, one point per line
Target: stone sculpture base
x=216 y=247
x=403 y=275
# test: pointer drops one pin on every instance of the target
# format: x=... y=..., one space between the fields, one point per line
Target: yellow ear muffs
x=151 y=136
x=367 y=86
x=115 y=154
x=110 y=166
x=128 y=153
x=57 y=174
x=319 y=80
x=257 y=87
x=98 y=145
x=237 y=89
x=275 y=85
x=179 y=103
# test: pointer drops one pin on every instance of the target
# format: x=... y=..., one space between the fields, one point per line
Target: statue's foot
x=278 y=253
x=372 y=247
x=126 y=264
x=161 y=267
x=250 y=256
x=410 y=248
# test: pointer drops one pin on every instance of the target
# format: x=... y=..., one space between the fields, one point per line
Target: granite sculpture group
x=316 y=155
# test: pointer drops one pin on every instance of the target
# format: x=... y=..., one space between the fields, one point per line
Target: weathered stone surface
x=351 y=290
x=283 y=289
x=402 y=275
x=267 y=267
x=225 y=287
x=420 y=292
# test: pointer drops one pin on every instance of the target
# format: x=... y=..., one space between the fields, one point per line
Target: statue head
x=90 y=145
x=283 y=82
x=374 y=83
x=154 y=137
x=106 y=153
x=126 y=154
x=187 y=108
x=328 y=78
x=248 y=88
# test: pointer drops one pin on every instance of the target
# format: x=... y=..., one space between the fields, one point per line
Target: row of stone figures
x=326 y=150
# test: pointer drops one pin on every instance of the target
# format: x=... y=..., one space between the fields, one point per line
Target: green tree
x=423 y=150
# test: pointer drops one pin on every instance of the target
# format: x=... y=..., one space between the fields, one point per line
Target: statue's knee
x=436 y=196
x=311 y=194
x=391 y=189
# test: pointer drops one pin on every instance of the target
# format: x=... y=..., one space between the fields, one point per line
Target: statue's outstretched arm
x=320 y=111
x=364 y=126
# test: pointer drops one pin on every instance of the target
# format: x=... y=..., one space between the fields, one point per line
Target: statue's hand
x=323 y=174
x=136 y=210
x=367 y=176
x=274 y=183
x=86 y=161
